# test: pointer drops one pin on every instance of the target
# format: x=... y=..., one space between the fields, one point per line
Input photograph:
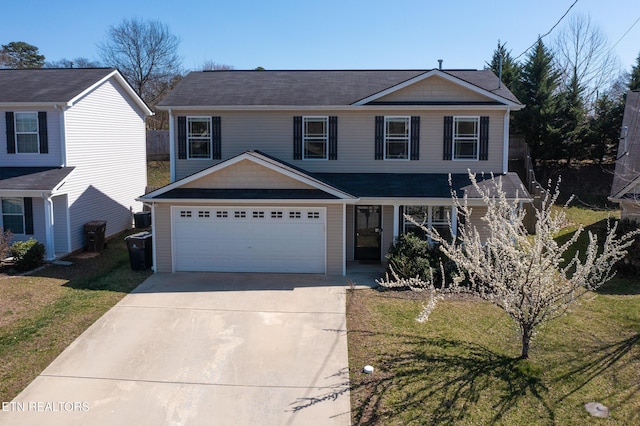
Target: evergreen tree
x=537 y=90
x=19 y=54
x=634 y=80
x=570 y=122
x=604 y=127
x=510 y=69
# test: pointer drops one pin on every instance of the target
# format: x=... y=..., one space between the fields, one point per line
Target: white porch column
x=396 y=221
x=454 y=222
x=172 y=149
x=48 y=224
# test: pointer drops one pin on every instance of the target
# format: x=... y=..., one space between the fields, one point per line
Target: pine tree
x=571 y=122
x=536 y=89
x=634 y=80
x=19 y=54
x=510 y=69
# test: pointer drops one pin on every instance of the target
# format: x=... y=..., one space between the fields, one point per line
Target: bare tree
x=583 y=55
x=527 y=276
x=72 y=63
x=211 y=65
x=145 y=52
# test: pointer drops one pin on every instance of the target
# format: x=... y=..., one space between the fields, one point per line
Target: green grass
x=158 y=173
x=42 y=313
x=461 y=366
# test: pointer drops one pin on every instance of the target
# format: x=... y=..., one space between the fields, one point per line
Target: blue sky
x=327 y=34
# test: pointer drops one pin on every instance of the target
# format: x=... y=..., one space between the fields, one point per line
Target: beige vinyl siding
x=52 y=159
x=106 y=145
x=162 y=238
x=351 y=224
x=334 y=243
x=246 y=175
x=435 y=89
x=272 y=133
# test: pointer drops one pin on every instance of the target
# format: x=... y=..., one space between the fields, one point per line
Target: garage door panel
x=251 y=239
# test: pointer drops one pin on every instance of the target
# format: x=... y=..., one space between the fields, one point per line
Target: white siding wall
x=60 y=229
x=272 y=133
x=106 y=145
x=52 y=159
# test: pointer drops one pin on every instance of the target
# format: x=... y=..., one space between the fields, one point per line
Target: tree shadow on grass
x=446 y=379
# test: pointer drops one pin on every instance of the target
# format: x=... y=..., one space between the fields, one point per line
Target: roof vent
x=439 y=64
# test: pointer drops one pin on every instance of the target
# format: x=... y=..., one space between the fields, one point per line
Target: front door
x=368 y=233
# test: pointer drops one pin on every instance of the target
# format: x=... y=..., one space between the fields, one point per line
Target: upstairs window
x=27 y=136
x=315 y=138
x=199 y=138
x=396 y=138
x=466 y=138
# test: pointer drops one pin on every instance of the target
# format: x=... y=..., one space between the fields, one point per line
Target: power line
x=625 y=34
x=548 y=32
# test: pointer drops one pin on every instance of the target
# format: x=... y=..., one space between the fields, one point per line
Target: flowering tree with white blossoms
x=525 y=275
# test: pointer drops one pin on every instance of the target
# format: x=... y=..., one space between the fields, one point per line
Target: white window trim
x=15 y=132
x=385 y=139
x=429 y=223
x=210 y=139
x=453 y=138
x=2 y=214
x=305 y=137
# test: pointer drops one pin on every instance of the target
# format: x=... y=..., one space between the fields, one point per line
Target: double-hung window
x=26 y=131
x=466 y=138
x=315 y=138
x=397 y=132
x=199 y=138
x=13 y=215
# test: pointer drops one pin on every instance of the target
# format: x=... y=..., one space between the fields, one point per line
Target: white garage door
x=249 y=239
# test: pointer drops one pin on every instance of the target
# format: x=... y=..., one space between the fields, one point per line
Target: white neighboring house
x=74 y=152
x=625 y=189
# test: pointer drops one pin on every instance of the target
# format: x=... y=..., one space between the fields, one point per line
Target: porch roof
x=32 y=178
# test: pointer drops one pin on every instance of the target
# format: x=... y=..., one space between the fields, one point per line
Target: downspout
x=172 y=149
x=154 y=249
x=63 y=135
x=48 y=226
x=505 y=148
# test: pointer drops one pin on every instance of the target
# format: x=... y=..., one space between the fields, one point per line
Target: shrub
x=629 y=266
x=27 y=254
x=411 y=256
x=5 y=243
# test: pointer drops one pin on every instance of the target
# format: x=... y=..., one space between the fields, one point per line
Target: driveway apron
x=203 y=349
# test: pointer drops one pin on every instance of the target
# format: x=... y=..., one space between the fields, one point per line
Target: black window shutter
x=42 y=132
x=379 y=137
x=28 y=215
x=182 y=138
x=415 y=138
x=333 y=138
x=484 y=139
x=297 y=137
x=11 y=133
x=447 y=143
x=216 y=137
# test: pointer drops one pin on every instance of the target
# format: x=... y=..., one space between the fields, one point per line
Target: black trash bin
x=142 y=220
x=94 y=234
x=140 y=250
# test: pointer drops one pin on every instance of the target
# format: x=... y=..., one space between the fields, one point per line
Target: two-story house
x=305 y=171
x=74 y=152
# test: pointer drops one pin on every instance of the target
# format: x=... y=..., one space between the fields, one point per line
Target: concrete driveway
x=203 y=348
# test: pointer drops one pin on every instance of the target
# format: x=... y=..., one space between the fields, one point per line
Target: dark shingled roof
x=47 y=85
x=311 y=88
x=628 y=163
x=32 y=178
x=246 y=194
x=418 y=185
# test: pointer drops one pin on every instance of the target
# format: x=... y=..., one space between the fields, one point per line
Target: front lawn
x=43 y=312
x=462 y=366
